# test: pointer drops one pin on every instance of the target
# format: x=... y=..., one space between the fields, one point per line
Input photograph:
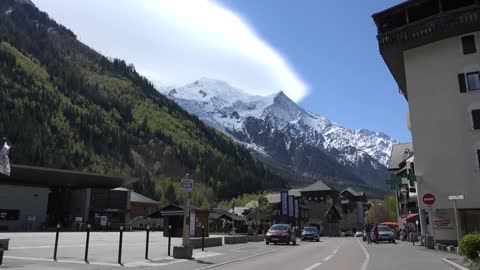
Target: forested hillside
x=64 y=105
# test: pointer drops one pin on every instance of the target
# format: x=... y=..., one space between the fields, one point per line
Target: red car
x=281 y=233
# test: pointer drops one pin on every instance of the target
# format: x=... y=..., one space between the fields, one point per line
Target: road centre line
x=328 y=258
x=367 y=256
x=313 y=266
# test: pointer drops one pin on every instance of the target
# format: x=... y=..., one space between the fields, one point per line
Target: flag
x=4 y=161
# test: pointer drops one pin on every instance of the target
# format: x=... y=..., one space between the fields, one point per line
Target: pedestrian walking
x=368 y=230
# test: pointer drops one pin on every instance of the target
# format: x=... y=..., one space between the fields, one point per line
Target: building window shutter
x=476 y=119
x=468 y=44
x=478 y=158
x=462 y=83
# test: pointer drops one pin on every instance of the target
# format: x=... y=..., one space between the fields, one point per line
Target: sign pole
x=454 y=198
x=456 y=222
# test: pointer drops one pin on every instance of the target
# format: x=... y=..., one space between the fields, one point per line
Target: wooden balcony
x=436 y=26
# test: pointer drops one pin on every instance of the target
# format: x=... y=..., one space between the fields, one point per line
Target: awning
x=390 y=223
x=409 y=216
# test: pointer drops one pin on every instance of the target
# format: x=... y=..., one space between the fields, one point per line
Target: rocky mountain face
x=304 y=144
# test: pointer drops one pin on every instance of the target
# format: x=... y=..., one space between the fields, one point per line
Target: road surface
x=34 y=251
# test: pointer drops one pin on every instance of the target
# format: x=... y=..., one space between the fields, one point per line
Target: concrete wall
x=443 y=137
x=30 y=201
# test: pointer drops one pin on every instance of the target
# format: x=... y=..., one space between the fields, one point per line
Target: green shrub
x=470 y=246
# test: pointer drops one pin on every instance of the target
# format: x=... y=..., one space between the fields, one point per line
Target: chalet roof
x=139 y=198
x=216 y=213
x=321 y=209
x=273 y=198
x=400 y=152
x=317 y=186
x=295 y=192
x=352 y=191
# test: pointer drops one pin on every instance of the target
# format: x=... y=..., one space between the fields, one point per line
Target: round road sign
x=428 y=199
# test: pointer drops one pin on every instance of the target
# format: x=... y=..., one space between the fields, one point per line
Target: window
x=469 y=81
x=468 y=44
x=473 y=81
x=478 y=158
x=476 y=119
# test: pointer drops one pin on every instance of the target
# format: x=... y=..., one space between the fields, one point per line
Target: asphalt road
x=331 y=253
x=34 y=251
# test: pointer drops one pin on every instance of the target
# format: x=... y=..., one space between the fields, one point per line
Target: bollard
x=203 y=237
x=87 y=242
x=146 y=244
x=169 y=238
x=120 y=246
x=56 y=242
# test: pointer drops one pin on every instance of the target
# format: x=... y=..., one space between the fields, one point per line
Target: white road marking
x=198 y=255
x=313 y=266
x=328 y=258
x=367 y=256
x=238 y=260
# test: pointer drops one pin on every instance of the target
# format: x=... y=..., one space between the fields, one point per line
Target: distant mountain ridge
x=278 y=129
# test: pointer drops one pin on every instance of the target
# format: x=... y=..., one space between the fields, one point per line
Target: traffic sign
x=428 y=199
x=187 y=185
x=456 y=197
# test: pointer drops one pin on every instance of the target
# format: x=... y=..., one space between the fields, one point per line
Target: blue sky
x=322 y=54
x=332 y=46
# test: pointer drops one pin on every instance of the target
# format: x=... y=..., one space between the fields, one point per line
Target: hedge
x=470 y=246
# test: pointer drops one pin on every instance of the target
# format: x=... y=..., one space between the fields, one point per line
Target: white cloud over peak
x=174 y=42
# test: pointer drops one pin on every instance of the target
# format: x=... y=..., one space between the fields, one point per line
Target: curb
x=454 y=264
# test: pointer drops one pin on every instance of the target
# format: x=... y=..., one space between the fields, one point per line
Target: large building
x=37 y=198
x=432 y=50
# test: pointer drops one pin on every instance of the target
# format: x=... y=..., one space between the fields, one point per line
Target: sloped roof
x=295 y=192
x=321 y=209
x=216 y=213
x=273 y=197
x=317 y=186
x=139 y=198
x=352 y=191
x=400 y=152
x=51 y=177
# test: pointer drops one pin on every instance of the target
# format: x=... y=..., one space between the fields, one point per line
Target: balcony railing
x=442 y=22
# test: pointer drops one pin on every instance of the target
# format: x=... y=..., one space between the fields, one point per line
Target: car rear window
x=310 y=229
x=279 y=227
x=383 y=229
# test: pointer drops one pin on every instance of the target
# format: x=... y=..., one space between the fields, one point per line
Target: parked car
x=310 y=233
x=348 y=233
x=382 y=233
x=359 y=234
x=280 y=233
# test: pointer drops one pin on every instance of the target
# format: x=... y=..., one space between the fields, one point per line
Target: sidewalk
x=405 y=256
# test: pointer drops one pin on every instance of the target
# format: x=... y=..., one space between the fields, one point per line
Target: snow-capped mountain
x=277 y=128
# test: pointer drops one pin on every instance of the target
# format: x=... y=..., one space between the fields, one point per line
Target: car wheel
x=294 y=242
x=267 y=243
x=318 y=240
x=288 y=242
x=275 y=243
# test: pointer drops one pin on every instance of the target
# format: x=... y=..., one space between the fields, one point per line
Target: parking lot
x=35 y=251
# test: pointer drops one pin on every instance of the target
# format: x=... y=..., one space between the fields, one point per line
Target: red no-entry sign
x=428 y=199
